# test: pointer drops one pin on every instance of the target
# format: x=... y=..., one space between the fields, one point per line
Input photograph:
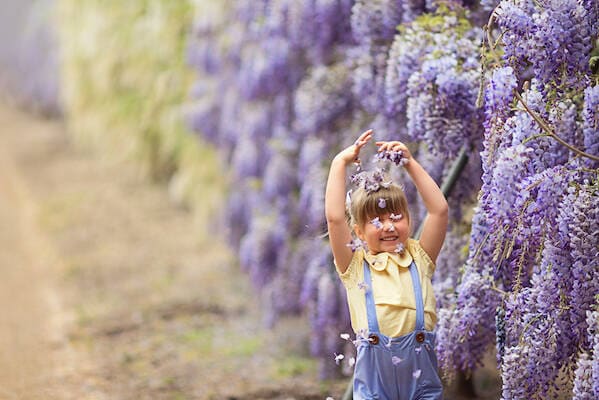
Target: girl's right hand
x=351 y=154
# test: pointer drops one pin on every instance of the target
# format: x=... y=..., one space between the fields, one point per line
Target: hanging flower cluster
x=281 y=83
x=531 y=275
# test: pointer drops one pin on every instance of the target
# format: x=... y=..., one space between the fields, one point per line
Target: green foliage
x=125 y=81
x=124 y=72
x=594 y=61
x=293 y=366
x=437 y=22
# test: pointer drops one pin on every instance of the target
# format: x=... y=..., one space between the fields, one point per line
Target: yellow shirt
x=392 y=288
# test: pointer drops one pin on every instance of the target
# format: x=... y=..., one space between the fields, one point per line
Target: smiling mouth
x=389 y=239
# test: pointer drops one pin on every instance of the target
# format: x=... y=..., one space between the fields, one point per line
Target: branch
x=549 y=131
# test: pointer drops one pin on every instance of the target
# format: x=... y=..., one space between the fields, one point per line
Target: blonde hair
x=367 y=205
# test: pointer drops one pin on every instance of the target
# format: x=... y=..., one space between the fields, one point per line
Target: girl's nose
x=390 y=227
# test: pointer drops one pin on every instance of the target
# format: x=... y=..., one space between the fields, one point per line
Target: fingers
x=391 y=146
x=359 y=143
x=364 y=138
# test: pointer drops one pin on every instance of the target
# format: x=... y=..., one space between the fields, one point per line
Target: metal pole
x=449 y=183
x=446 y=187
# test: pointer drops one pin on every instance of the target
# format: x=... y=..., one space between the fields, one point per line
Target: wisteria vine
x=531 y=275
x=281 y=83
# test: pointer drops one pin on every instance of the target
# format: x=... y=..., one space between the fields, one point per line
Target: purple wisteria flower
x=433 y=76
x=375 y=20
x=370 y=181
x=395 y=157
x=499 y=91
x=590 y=126
x=356 y=244
x=395 y=217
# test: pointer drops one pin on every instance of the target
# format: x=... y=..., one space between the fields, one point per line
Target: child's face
x=385 y=233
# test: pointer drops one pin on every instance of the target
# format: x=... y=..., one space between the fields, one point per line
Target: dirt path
x=109 y=291
x=25 y=330
x=34 y=353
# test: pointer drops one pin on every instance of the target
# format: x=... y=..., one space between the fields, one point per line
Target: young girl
x=388 y=284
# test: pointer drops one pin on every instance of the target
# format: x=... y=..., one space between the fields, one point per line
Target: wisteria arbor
x=282 y=85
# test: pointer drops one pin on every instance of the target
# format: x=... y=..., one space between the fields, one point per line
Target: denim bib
x=399 y=368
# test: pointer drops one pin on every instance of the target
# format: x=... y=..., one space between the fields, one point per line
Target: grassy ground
x=148 y=303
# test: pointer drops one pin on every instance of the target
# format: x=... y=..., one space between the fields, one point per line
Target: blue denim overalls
x=401 y=368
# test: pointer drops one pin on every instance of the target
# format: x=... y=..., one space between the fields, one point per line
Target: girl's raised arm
x=339 y=231
x=436 y=220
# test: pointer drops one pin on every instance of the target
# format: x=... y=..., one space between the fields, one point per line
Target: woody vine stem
x=491 y=43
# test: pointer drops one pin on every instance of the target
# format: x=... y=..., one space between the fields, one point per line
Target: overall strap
x=418 y=295
x=373 y=323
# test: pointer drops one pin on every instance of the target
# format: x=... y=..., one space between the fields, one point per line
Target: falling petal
x=344 y=336
x=363 y=285
x=396 y=360
x=351 y=361
x=355 y=245
x=418 y=350
x=338 y=358
x=382 y=203
x=395 y=218
x=417 y=373
x=400 y=248
x=377 y=223
x=391 y=228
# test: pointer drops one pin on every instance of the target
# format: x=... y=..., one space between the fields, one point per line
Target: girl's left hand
x=394 y=146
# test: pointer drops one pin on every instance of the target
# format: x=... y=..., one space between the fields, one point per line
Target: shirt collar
x=380 y=261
